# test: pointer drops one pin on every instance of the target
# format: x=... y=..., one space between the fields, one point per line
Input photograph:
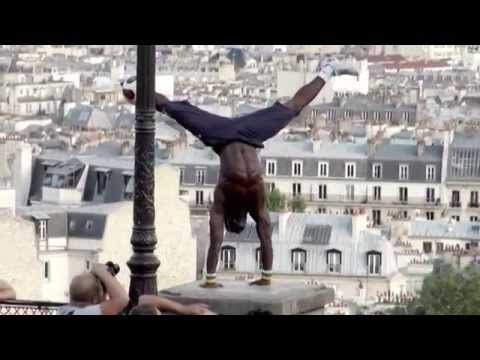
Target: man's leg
x=264 y=124
x=305 y=95
x=261 y=216
x=216 y=239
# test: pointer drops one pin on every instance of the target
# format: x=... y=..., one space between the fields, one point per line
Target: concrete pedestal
x=240 y=298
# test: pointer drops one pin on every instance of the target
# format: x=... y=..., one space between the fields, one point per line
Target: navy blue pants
x=217 y=131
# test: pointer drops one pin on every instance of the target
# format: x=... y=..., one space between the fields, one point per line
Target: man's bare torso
x=240 y=167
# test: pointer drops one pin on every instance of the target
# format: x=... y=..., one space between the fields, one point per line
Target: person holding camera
x=97 y=292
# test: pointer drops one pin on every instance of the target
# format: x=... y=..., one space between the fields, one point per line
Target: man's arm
x=7 y=292
x=166 y=305
x=117 y=296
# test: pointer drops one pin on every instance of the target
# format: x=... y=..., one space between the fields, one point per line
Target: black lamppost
x=144 y=264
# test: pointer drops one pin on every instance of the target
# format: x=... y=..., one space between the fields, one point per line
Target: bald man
x=87 y=295
x=6 y=291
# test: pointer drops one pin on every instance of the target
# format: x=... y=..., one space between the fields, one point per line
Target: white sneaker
x=331 y=66
x=129 y=89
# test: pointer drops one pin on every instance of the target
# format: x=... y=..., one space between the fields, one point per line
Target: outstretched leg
x=216 y=239
x=257 y=127
x=261 y=216
x=305 y=95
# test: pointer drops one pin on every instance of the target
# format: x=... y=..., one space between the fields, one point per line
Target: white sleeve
x=89 y=310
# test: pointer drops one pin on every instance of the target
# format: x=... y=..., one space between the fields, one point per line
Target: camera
x=112 y=268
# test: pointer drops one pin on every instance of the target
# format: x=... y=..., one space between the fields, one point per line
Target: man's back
x=239 y=163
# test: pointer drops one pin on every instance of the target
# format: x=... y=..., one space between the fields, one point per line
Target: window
x=270 y=186
x=404 y=194
x=377 y=217
x=439 y=247
x=200 y=176
x=89 y=225
x=322 y=192
x=403 y=172
x=455 y=198
x=364 y=115
x=430 y=215
x=430 y=195
x=350 y=190
x=323 y=169
x=299 y=260
x=377 y=171
x=87 y=264
x=456 y=218
x=406 y=116
x=322 y=210
x=388 y=116
x=350 y=170
x=427 y=247
x=474 y=218
x=376 y=116
x=258 y=258
x=228 y=258
x=199 y=197
x=42 y=229
x=271 y=167
x=297 y=168
x=334 y=261
x=377 y=193
x=101 y=182
x=296 y=189
x=474 y=199
x=374 y=262
x=46 y=270
x=430 y=172
x=182 y=175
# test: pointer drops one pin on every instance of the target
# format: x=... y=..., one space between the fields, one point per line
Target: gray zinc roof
x=441 y=229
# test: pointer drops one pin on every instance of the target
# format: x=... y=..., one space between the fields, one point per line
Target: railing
x=27 y=307
x=455 y=204
x=473 y=205
x=364 y=199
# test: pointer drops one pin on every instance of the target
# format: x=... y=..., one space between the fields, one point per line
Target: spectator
x=88 y=294
x=147 y=304
x=6 y=291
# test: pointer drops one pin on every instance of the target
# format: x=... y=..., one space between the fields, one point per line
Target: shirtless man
x=240 y=189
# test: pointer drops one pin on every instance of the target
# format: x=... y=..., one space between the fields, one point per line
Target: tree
x=275 y=200
x=448 y=291
x=297 y=204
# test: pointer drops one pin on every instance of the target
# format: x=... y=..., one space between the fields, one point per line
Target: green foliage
x=275 y=200
x=297 y=204
x=448 y=291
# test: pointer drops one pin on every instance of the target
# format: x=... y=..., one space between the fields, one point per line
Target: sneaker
x=331 y=66
x=129 y=89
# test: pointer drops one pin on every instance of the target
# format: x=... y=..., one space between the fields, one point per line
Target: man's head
x=144 y=309
x=86 y=289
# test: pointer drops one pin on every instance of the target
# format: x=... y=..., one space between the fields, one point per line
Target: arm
x=6 y=291
x=117 y=296
x=171 y=306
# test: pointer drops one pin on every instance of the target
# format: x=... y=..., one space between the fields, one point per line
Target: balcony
x=27 y=307
x=360 y=199
x=474 y=205
x=370 y=200
x=455 y=204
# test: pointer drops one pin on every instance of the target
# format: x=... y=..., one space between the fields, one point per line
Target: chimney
x=371 y=146
x=316 y=145
x=359 y=221
x=283 y=216
x=420 y=147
